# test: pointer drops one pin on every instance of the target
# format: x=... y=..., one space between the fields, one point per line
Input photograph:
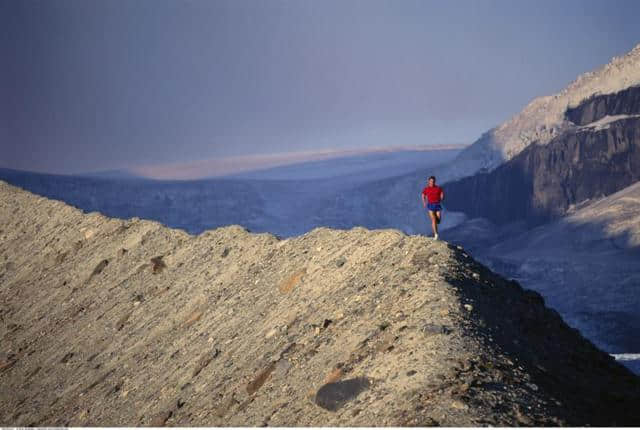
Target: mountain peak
x=543 y=118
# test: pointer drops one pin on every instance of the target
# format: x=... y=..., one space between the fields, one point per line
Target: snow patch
x=605 y=122
x=626 y=356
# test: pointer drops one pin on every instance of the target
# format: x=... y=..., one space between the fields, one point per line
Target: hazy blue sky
x=88 y=85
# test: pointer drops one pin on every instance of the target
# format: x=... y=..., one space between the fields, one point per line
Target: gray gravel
x=108 y=322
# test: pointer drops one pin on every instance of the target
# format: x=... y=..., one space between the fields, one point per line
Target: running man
x=432 y=195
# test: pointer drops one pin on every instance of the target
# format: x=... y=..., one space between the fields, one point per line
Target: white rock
x=271 y=333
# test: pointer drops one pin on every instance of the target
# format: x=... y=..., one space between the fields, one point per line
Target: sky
x=88 y=85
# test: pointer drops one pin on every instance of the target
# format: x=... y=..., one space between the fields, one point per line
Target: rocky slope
x=611 y=223
x=125 y=322
x=585 y=264
x=597 y=156
x=544 y=118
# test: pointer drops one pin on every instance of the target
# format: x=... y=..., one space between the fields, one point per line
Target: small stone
x=522 y=418
x=334 y=395
x=136 y=303
x=203 y=362
x=434 y=329
x=160 y=419
x=5 y=364
x=430 y=422
x=271 y=333
x=387 y=344
x=317 y=331
x=465 y=365
x=411 y=372
x=341 y=261
x=193 y=318
x=333 y=376
x=224 y=407
x=456 y=404
x=468 y=307
x=260 y=379
x=99 y=267
x=158 y=265
x=383 y=325
x=291 y=281
x=282 y=367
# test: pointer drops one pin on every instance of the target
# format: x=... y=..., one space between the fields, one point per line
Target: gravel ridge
x=110 y=322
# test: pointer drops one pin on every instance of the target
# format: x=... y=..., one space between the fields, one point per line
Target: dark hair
x=432 y=177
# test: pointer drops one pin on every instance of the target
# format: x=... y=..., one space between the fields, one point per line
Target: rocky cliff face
x=544 y=119
x=597 y=156
x=597 y=107
x=125 y=322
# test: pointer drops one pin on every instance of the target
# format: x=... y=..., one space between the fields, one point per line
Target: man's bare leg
x=438 y=217
x=434 y=224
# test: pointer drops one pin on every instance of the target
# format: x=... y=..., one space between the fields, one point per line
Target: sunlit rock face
x=544 y=118
x=596 y=157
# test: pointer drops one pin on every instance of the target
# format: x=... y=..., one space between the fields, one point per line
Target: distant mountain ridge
x=544 y=118
x=243 y=165
x=340 y=193
x=595 y=156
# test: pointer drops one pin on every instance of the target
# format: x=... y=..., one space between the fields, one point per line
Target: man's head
x=431 y=181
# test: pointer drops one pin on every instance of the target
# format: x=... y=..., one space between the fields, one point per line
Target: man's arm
x=441 y=194
x=424 y=203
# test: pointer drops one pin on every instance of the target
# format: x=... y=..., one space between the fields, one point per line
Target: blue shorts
x=434 y=207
